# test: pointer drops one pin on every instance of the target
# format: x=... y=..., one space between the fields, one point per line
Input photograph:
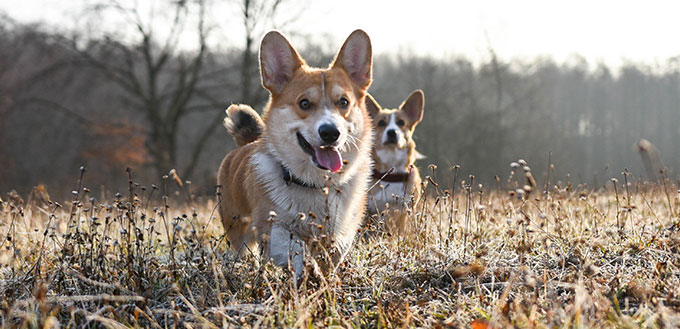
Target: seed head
x=175 y=177
x=530 y=179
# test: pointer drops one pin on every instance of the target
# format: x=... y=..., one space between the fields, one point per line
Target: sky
x=611 y=32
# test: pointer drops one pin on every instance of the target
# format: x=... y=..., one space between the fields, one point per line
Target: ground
x=517 y=255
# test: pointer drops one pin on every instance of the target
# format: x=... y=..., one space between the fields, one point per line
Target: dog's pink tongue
x=329 y=158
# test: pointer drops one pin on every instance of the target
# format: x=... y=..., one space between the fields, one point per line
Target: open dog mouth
x=325 y=157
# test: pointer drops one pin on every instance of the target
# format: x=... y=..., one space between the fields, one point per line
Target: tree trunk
x=246 y=71
x=162 y=147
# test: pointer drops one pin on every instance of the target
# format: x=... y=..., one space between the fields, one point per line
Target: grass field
x=517 y=255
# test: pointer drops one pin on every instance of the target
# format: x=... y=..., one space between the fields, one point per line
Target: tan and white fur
x=394 y=156
x=316 y=126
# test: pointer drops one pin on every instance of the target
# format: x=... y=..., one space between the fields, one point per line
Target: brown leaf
x=480 y=324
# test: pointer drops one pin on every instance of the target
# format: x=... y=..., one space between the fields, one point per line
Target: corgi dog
x=296 y=184
x=394 y=157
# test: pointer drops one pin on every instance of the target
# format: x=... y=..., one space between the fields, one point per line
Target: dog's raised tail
x=243 y=124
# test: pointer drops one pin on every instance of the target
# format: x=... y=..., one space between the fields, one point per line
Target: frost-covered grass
x=519 y=256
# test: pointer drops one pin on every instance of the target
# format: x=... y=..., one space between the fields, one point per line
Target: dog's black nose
x=391 y=137
x=329 y=133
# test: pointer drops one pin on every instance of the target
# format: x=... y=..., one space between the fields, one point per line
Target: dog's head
x=316 y=118
x=394 y=127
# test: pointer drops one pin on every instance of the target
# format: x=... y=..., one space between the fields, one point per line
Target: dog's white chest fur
x=292 y=198
x=389 y=192
x=341 y=204
x=393 y=158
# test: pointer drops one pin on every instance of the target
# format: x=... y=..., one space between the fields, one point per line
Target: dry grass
x=558 y=257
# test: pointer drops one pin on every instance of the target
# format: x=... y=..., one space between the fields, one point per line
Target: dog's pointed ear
x=372 y=106
x=413 y=106
x=278 y=61
x=356 y=58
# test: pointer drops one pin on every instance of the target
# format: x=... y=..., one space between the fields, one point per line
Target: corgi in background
x=296 y=184
x=394 y=156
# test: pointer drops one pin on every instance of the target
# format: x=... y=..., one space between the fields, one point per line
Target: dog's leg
x=285 y=246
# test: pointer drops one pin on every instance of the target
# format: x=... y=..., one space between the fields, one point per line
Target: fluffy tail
x=243 y=124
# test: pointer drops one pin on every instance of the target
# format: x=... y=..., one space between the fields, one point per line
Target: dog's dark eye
x=400 y=122
x=382 y=123
x=343 y=103
x=305 y=104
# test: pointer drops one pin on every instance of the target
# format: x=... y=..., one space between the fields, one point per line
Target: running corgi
x=394 y=157
x=296 y=184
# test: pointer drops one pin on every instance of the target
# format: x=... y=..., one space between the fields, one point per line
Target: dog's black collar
x=391 y=177
x=290 y=178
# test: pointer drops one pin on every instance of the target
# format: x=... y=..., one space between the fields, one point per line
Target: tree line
x=111 y=103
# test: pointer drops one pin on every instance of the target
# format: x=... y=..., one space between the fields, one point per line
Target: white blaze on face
x=392 y=125
x=328 y=115
x=328 y=157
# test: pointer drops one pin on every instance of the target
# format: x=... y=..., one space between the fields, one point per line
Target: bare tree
x=165 y=83
x=257 y=16
x=159 y=80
